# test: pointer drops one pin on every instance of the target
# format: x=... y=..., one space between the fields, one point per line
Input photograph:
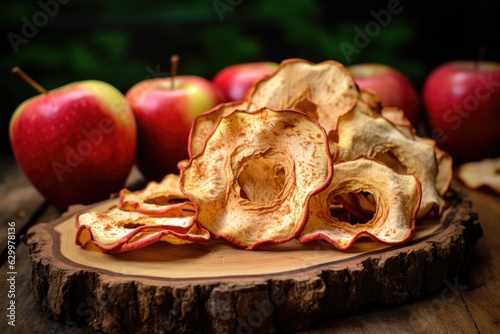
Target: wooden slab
x=215 y=287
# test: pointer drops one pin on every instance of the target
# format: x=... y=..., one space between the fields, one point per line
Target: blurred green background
x=124 y=42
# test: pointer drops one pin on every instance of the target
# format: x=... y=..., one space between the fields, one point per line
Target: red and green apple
x=234 y=81
x=75 y=144
x=164 y=109
x=462 y=101
x=392 y=87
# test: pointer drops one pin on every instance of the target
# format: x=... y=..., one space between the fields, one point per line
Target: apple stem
x=36 y=86
x=174 y=63
x=479 y=57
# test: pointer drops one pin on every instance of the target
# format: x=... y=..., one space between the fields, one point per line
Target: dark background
x=123 y=42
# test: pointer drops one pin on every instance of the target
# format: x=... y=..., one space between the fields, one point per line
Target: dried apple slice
x=323 y=91
x=195 y=234
x=156 y=197
x=376 y=137
x=445 y=170
x=481 y=174
x=252 y=181
x=117 y=231
x=397 y=199
x=444 y=163
x=369 y=103
x=397 y=117
x=371 y=100
x=204 y=124
x=366 y=108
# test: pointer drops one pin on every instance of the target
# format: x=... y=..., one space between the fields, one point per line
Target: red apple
x=164 y=116
x=392 y=87
x=462 y=100
x=75 y=144
x=234 y=81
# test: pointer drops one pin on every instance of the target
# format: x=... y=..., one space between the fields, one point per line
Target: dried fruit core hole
x=261 y=180
x=353 y=208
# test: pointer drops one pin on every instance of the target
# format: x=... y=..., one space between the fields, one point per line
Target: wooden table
x=464 y=304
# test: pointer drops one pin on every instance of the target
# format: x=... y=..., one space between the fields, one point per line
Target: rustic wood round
x=215 y=287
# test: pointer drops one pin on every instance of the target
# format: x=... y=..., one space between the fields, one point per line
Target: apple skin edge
x=462 y=100
x=164 y=117
x=75 y=144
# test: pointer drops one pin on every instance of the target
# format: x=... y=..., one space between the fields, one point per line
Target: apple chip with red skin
x=156 y=197
x=396 y=196
x=116 y=231
x=204 y=124
x=444 y=161
x=376 y=137
x=252 y=181
x=324 y=91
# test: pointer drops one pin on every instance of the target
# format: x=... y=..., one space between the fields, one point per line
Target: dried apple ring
x=396 y=196
x=252 y=181
x=156 y=197
x=444 y=161
x=376 y=137
x=116 y=231
x=324 y=91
